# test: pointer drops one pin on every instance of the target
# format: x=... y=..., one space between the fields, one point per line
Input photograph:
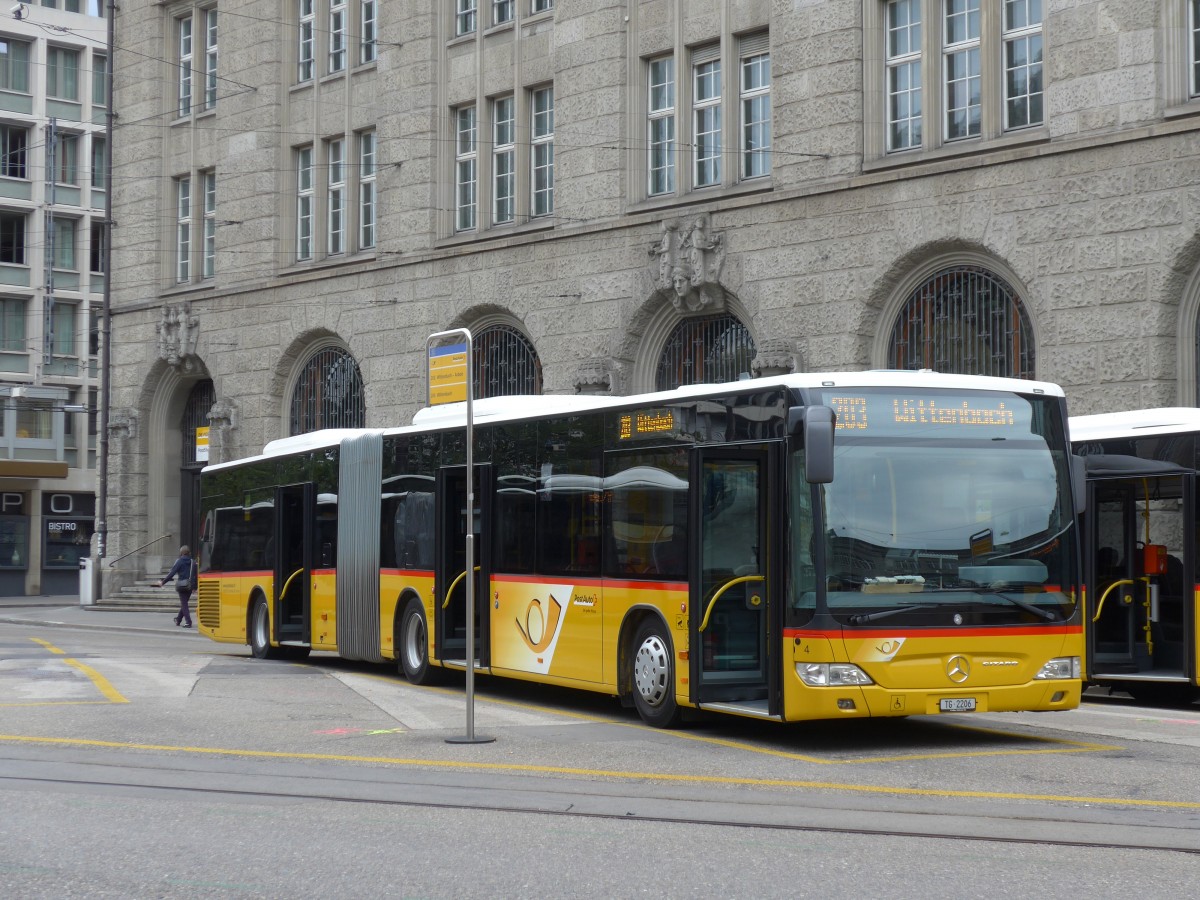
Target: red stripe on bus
x=870 y=633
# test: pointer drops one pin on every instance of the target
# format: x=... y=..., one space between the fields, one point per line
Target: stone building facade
x=306 y=189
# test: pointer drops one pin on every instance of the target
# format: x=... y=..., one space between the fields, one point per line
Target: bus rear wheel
x=653 y=676
x=413 y=645
x=260 y=631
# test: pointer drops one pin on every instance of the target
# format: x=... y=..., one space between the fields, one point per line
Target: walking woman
x=185 y=571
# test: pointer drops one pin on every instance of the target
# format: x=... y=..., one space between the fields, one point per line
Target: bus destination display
x=887 y=412
x=645 y=422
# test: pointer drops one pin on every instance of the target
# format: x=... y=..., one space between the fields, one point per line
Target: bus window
x=646 y=495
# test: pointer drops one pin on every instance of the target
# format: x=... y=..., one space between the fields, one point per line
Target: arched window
x=195 y=415
x=965 y=320
x=505 y=363
x=707 y=350
x=328 y=393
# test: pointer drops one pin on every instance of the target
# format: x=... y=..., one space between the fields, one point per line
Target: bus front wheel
x=414 y=645
x=260 y=631
x=653 y=676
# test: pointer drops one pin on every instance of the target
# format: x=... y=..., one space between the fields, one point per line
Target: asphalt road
x=137 y=760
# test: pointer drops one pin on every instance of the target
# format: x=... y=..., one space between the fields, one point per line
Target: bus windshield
x=944 y=509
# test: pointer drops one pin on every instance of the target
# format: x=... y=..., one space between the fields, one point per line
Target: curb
x=48 y=623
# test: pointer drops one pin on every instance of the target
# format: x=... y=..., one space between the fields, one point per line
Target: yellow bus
x=1140 y=551
x=803 y=547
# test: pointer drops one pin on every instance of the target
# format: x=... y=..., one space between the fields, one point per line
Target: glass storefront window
x=66 y=542
x=14 y=542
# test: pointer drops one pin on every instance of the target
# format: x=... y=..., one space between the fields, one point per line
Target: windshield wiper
x=1017 y=601
x=864 y=618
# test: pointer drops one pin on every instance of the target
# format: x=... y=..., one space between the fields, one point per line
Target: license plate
x=957 y=704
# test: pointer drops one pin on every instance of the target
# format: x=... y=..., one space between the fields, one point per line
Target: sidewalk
x=64 y=611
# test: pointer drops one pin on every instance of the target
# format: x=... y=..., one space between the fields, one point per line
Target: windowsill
x=306 y=85
x=702 y=195
x=185 y=287
x=367 y=66
x=971 y=147
x=206 y=113
x=333 y=76
x=499 y=232
x=500 y=27
x=1190 y=108
x=468 y=37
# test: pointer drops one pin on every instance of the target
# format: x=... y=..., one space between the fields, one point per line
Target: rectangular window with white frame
x=541 y=6
x=305 y=37
x=502 y=11
x=706 y=116
x=366 y=190
x=183 y=230
x=464 y=17
x=368 y=31
x=305 y=203
x=504 y=161
x=465 y=168
x=183 y=64
x=1022 y=40
x=954 y=71
x=208 y=256
x=97 y=264
x=336 y=196
x=1193 y=35
x=903 y=74
x=210 y=58
x=337 y=36
x=961 y=66
x=755 y=92
x=542 y=151
x=661 y=126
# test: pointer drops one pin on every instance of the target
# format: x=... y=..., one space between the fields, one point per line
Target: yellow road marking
x=102 y=684
x=600 y=773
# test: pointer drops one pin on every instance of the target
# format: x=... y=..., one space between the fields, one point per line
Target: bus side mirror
x=1079 y=483
x=816 y=423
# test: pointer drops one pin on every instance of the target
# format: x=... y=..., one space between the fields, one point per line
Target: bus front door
x=450 y=572
x=295 y=515
x=734 y=579
x=1140 y=569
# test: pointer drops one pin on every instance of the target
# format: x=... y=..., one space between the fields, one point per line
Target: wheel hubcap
x=652 y=669
x=414 y=643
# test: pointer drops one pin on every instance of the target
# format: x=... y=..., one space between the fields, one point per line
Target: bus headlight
x=831 y=674
x=1060 y=668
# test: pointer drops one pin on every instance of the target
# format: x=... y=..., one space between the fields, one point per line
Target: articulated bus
x=803 y=547
x=1140 y=550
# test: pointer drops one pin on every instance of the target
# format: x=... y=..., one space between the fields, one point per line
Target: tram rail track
x=1112 y=829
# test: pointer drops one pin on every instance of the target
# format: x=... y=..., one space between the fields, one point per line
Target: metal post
x=106 y=308
x=470 y=737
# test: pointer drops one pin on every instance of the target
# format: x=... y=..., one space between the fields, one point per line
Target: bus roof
x=1134 y=423
x=496 y=409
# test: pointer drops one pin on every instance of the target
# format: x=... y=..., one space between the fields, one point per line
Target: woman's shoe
x=177 y=620
x=187 y=624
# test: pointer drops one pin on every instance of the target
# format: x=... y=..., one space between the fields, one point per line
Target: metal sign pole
x=449 y=384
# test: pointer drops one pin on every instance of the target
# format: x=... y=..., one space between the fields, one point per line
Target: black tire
x=259 y=632
x=652 y=675
x=412 y=645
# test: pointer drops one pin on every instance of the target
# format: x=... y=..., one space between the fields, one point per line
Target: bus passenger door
x=450 y=573
x=1141 y=597
x=295 y=515
x=734 y=578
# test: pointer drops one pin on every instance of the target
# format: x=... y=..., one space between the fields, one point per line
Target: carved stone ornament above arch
x=178 y=328
x=687 y=262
